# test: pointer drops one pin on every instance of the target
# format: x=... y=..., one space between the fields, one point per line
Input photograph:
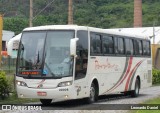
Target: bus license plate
x=41 y=93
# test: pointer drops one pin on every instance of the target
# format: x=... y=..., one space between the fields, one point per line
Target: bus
x=64 y=62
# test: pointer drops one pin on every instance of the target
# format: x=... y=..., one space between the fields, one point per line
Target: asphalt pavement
x=105 y=104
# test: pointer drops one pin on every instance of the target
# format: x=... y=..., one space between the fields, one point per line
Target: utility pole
x=31 y=13
x=70 y=12
x=154 y=32
x=1 y=28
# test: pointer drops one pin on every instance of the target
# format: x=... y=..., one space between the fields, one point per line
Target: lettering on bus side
x=106 y=65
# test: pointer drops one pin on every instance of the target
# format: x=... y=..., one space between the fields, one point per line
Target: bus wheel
x=92 y=97
x=46 y=101
x=135 y=92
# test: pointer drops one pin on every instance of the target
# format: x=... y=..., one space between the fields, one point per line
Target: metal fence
x=8 y=64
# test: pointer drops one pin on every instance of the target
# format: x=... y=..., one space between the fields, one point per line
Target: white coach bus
x=63 y=62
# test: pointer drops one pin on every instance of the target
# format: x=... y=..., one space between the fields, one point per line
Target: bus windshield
x=45 y=54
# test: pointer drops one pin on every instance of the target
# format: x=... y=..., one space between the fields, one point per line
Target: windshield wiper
x=50 y=70
x=57 y=77
x=53 y=74
x=67 y=76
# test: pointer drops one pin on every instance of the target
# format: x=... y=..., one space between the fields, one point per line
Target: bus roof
x=76 y=27
x=55 y=27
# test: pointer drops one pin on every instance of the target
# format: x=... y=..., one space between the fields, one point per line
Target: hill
x=96 y=13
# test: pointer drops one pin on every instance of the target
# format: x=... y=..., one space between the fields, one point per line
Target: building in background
x=13 y=45
x=6 y=61
x=6 y=36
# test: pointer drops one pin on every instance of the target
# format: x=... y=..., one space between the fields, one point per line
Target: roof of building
x=7 y=35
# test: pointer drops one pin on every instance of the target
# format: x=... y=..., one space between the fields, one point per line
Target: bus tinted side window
x=108 y=47
x=146 y=48
x=96 y=44
x=138 y=47
x=82 y=55
x=119 y=45
x=129 y=46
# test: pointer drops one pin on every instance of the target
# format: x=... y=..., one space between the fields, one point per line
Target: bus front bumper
x=57 y=94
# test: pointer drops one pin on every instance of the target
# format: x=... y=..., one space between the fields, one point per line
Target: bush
x=4 y=91
x=156 y=76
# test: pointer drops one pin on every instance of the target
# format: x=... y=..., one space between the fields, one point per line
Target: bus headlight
x=67 y=83
x=21 y=83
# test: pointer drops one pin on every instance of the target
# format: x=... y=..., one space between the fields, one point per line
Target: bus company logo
x=40 y=86
x=19 y=107
x=6 y=107
x=105 y=65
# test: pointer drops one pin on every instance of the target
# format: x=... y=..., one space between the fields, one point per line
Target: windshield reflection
x=31 y=50
x=58 y=62
x=47 y=52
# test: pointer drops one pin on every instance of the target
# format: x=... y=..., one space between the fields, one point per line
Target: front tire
x=46 y=101
x=93 y=94
x=135 y=92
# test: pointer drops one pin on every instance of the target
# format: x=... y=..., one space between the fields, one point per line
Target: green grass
x=151 y=101
x=156 y=84
x=15 y=100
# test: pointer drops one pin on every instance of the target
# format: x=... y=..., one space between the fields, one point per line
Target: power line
x=43 y=9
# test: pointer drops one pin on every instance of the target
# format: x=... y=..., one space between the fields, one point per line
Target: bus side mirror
x=73 y=44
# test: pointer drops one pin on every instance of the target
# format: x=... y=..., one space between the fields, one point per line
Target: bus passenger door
x=80 y=74
x=81 y=63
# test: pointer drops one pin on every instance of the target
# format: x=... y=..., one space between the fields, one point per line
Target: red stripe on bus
x=124 y=71
x=130 y=75
x=41 y=81
x=128 y=70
